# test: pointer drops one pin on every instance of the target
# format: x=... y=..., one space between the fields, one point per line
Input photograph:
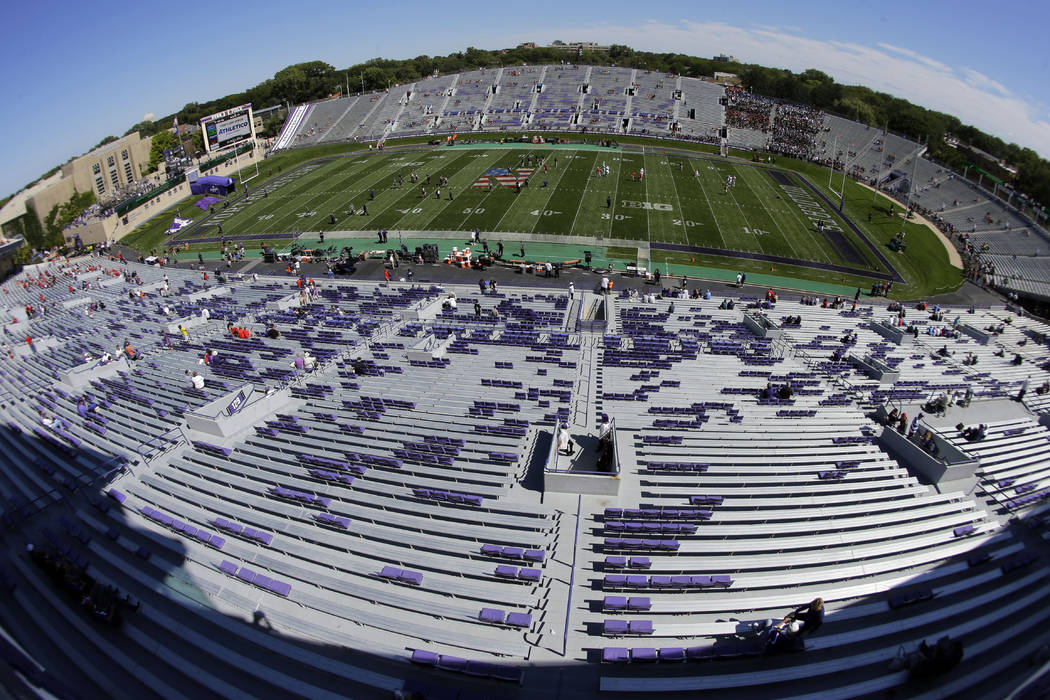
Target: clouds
x=964 y=92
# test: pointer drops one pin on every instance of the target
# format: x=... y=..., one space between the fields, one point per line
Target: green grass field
x=682 y=200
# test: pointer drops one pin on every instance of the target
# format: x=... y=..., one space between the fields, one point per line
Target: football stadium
x=539 y=381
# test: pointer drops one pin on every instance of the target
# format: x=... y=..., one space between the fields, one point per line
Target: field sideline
x=680 y=207
x=681 y=200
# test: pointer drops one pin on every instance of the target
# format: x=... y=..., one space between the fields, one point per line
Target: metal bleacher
x=381 y=522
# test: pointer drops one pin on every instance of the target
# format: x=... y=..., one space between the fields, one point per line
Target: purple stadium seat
x=492 y=615
x=517 y=619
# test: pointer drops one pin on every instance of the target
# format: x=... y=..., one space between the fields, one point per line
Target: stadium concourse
x=989 y=227
x=359 y=493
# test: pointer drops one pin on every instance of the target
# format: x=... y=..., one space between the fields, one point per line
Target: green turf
x=682 y=199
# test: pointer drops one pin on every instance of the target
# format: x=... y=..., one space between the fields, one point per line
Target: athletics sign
x=227 y=128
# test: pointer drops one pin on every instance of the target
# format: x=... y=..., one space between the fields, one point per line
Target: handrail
x=572 y=577
x=551 y=464
x=145 y=455
x=19 y=513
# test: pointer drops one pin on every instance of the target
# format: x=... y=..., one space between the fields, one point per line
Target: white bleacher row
x=740 y=459
x=784 y=530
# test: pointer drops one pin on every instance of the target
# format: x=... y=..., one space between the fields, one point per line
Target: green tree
x=375 y=78
x=162 y=140
x=290 y=84
x=61 y=215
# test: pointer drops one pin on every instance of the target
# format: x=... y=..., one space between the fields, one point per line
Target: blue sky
x=986 y=64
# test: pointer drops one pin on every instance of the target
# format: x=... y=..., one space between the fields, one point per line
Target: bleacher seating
x=386 y=512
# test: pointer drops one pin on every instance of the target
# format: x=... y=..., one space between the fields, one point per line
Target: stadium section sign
x=227 y=128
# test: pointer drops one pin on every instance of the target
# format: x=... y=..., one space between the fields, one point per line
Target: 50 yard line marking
x=486 y=196
x=402 y=193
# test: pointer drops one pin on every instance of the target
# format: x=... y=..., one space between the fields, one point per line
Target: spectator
x=196 y=380
x=565 y=444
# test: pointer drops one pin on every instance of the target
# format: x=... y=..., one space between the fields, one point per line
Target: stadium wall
x=114 y=227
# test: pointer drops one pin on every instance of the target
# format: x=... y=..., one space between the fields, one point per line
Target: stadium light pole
x=842 y=188
x=834 y=153
x=911 y=180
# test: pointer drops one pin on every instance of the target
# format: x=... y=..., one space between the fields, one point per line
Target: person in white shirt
x=196 y=381
x=205 y=314
x=564 y=441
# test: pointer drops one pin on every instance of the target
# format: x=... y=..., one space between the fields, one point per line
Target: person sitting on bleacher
x=83 y=407
x=810 y=616
x=196 y=380
x=783 y=637
x=928 y=662
x=975 y=434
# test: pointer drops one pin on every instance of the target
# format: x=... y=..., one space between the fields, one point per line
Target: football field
x=582 y=191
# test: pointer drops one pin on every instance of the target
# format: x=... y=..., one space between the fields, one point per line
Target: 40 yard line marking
x=583 y=196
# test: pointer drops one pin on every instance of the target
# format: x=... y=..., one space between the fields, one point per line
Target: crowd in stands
x=748 y=111
x=105 y=603
x=95 y=212
x=794 y=130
